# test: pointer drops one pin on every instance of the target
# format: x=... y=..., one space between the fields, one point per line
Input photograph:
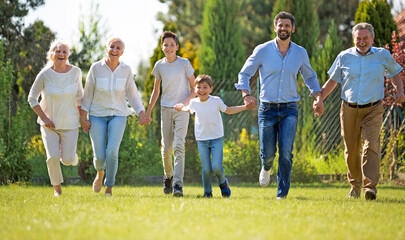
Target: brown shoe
x=108 y=191
x=98 y=181
x=57 y=190
x=354 y=194
x=370 y=194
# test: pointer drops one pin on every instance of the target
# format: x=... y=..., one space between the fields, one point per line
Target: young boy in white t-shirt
x=209 y=131
x=176 y=76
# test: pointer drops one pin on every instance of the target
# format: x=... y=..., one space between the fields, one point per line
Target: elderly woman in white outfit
x=61 y=90
x=109 y=85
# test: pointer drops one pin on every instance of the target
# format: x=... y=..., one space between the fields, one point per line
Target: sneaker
x=264 y=178
x=370 y=194
x=178 y=191
x=208 y=195
x=225 y=190
x=281 y=197
x=354 y=194
x=167 y=185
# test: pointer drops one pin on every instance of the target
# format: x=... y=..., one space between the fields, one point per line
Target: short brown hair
x=284 y=15
x=203 y=79
x=362 y=26
x=168 y=34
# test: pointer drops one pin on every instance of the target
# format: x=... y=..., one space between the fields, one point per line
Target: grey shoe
x=354 y=194
x=264 y=178
x=178 y=191
x=370 y=194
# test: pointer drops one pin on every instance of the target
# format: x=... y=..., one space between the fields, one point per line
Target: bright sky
x=134 y=21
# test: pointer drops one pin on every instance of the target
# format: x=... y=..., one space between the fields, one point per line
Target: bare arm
x=397 y=82
x=153 y=99
x=235 y=109
x=327 y=88
x=192 y=94
x=48 y=122
x=83 y=120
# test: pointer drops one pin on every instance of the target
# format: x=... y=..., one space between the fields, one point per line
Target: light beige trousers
x=60 y=146
x=174 y=126
x=362 y=124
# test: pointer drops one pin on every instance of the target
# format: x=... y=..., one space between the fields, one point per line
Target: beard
x=283 y=37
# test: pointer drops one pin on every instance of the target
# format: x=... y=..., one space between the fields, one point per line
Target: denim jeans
x=106 y=153
x=278 y=122
x=207 y=149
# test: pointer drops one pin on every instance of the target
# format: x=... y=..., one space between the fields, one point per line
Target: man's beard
x=285 y=37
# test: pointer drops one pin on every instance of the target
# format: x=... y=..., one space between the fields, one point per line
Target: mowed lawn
x=144 y=212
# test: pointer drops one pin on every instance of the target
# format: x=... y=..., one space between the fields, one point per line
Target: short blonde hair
x=54 y=44
x=113 y=39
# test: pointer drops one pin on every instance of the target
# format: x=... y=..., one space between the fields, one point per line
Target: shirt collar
x=121 y=64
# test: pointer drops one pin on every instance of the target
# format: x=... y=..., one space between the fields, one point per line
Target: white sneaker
x=264 y=178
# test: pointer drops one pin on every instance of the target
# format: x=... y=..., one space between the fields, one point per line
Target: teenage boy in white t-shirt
x=176 y=75
x=209 y=131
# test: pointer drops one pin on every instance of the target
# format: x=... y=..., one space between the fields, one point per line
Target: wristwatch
x=246 y=96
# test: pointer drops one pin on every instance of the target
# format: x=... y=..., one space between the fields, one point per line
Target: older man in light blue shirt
x=278 y=62
x=360 y=70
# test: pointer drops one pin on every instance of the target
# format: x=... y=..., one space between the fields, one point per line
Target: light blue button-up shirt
x=362 y=77
x=278 y=75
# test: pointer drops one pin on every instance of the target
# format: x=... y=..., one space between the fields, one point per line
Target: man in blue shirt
x=360 y=70
x=278 y=62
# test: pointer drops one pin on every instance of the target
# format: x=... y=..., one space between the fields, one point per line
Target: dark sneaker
x=354 y=194
x=225 y=190
x=167 y=185
x=178 y=191
x=208 y=194
x=370 y=195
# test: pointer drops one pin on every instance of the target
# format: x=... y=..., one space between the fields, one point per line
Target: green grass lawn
x=144 y=212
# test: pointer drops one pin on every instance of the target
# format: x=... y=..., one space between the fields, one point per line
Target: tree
x=222 y=52
x=307 y=26
x=378 y=14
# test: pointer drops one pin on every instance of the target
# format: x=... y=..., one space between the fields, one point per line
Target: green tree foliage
x=90 y=47
x=306 y=26
x=222 y=52
x=378 y=14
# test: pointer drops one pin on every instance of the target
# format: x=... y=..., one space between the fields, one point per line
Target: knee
x=112 y=154
x=207 y=172
x=53 y=159
x=217 y=169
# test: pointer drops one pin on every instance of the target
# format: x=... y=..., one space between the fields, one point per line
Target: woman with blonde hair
x=109 y=84
x=60 y=86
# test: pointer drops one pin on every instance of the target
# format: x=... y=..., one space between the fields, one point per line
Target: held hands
x=85 y=125
x=318 y=105
x=250 y=102
x=178 y=106
x=144 y=119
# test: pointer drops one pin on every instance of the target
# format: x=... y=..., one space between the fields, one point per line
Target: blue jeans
x=206 y=149
x=278 y=122
x=106 y=154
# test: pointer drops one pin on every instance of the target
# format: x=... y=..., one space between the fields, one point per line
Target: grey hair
x=362 y=26
x=115 y=39
x=56 y=43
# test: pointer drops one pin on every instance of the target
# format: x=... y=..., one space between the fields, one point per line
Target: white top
x=61 y=93
x=106 y=92
x=208 y=121
x=174 y=77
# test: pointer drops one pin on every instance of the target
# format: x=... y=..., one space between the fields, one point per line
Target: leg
x=205 y=158
x=286 y=137
x=268 y=131
x=51 y=142
x=370 y=132
x=98 y=137
x=68 y=146
x=116 y=128
x=181 y=120
x=217 y=152
x=167 y=141
x=352 y=139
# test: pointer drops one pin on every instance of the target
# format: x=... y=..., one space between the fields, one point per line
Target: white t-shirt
x=61 y=93
x=106 y=92
x=208 y=121
x=174 y=78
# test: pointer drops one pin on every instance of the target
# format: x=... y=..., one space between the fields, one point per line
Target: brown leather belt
x=355 y=105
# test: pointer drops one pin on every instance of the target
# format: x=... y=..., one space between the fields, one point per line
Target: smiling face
x=363 y=40
x=169 y=47
x=114 y=50
x=60 y=55
x=284 y=28
x=203 y=91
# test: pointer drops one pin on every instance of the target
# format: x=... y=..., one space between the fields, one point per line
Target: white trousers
x=60 y=145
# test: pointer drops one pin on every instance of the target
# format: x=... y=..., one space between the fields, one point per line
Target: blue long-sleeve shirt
x=362 y=77
x=278 y=75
